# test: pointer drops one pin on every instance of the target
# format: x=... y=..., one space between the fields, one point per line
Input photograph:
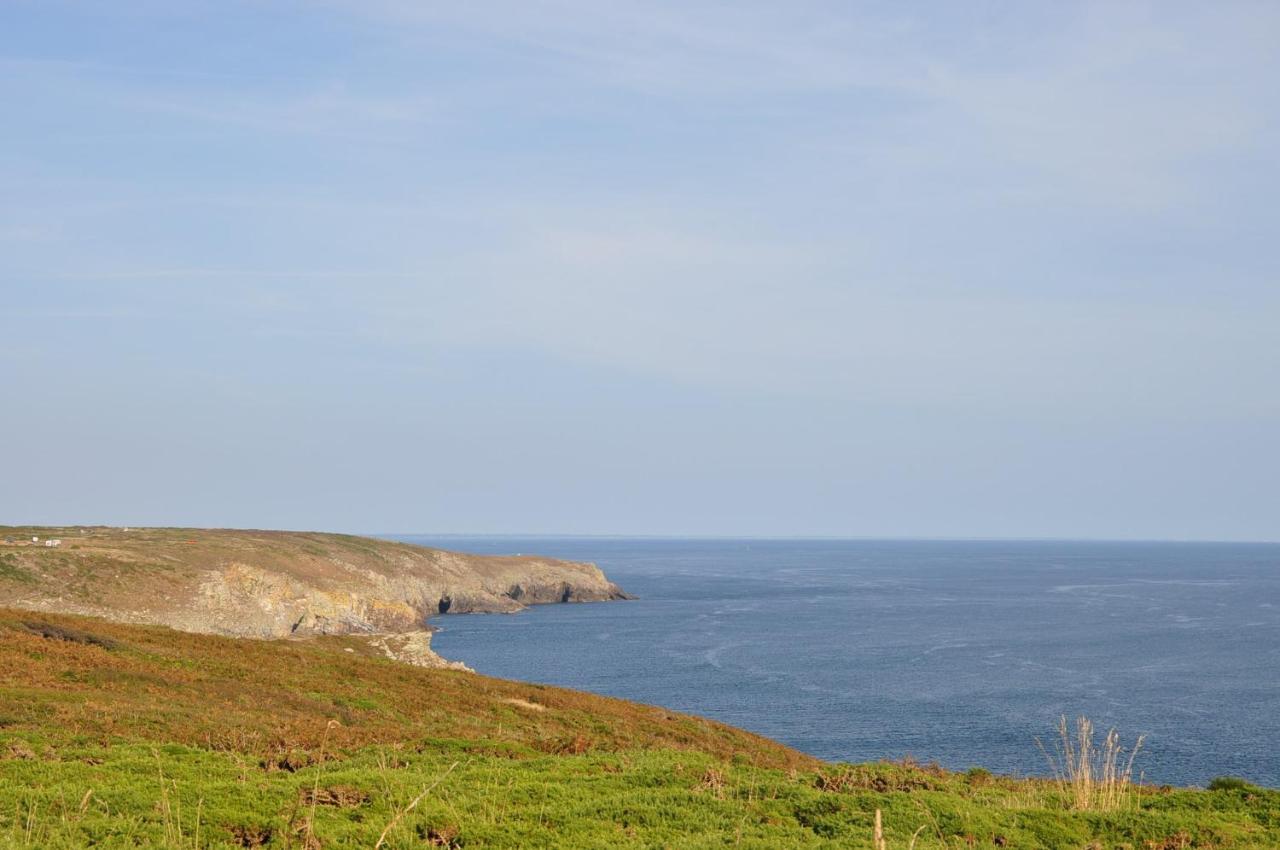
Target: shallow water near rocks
x=959 y=652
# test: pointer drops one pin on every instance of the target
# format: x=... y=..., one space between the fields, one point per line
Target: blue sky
x=867 y=269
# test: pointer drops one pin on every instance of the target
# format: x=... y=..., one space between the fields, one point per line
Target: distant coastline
x=271 y=584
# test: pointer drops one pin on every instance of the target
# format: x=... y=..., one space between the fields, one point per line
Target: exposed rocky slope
x=270 y=584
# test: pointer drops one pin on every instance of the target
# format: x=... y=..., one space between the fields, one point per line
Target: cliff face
x=269 y=584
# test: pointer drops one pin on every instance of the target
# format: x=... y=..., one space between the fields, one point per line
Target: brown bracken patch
x=56 y=632
x=870 y=777
x=1177 y=841
x=341 y=796
x=440 y=836
x=273 y=699
x=713 y=781
x=250 y=836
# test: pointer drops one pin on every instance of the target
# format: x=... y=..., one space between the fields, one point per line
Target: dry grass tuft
x=713 y=781
x=1094 y=777
x=337 y=796
x=524 y=703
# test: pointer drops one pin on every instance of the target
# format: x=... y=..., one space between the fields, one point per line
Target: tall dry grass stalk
x=309 y=828
x=170 y=810
x=382 y=839
x=1094 y=777
x=877 y=835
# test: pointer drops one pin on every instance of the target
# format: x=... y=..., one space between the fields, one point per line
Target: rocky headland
x=274 y=584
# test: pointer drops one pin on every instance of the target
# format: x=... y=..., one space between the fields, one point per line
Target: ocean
x=963 y=653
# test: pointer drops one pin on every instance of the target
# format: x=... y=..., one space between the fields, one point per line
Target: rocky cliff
x=268 y=584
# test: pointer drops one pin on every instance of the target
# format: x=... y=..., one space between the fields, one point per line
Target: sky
x=690 y=268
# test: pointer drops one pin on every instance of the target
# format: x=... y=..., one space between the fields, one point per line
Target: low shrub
x=1229 y=783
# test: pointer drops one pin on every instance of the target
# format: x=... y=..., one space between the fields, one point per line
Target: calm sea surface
x=960 y=652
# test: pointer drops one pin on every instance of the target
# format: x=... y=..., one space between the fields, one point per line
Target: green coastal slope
x=116 y=735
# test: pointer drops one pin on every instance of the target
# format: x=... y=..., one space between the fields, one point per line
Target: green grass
x=13 y=570
x=118 y=736
x=1231 y=783
x=487 y=795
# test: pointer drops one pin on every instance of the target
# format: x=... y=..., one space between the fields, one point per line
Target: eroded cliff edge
x=272 y=584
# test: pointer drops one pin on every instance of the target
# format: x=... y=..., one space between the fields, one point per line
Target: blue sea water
x=959 y=652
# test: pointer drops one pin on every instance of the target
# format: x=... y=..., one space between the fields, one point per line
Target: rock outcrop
x=272 y=584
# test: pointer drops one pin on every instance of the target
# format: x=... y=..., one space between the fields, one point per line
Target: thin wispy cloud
x=1023 y=240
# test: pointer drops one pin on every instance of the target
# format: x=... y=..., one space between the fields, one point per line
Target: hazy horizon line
x=821 y=537
x=543 y=535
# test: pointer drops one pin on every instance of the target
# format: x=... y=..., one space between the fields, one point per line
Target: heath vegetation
x=130 y=736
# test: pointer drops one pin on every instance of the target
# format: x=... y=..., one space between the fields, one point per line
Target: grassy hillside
x=128 y=736
x=107 y=681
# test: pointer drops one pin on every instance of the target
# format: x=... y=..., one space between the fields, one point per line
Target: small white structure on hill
x=52 y=543
x=35 y=539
